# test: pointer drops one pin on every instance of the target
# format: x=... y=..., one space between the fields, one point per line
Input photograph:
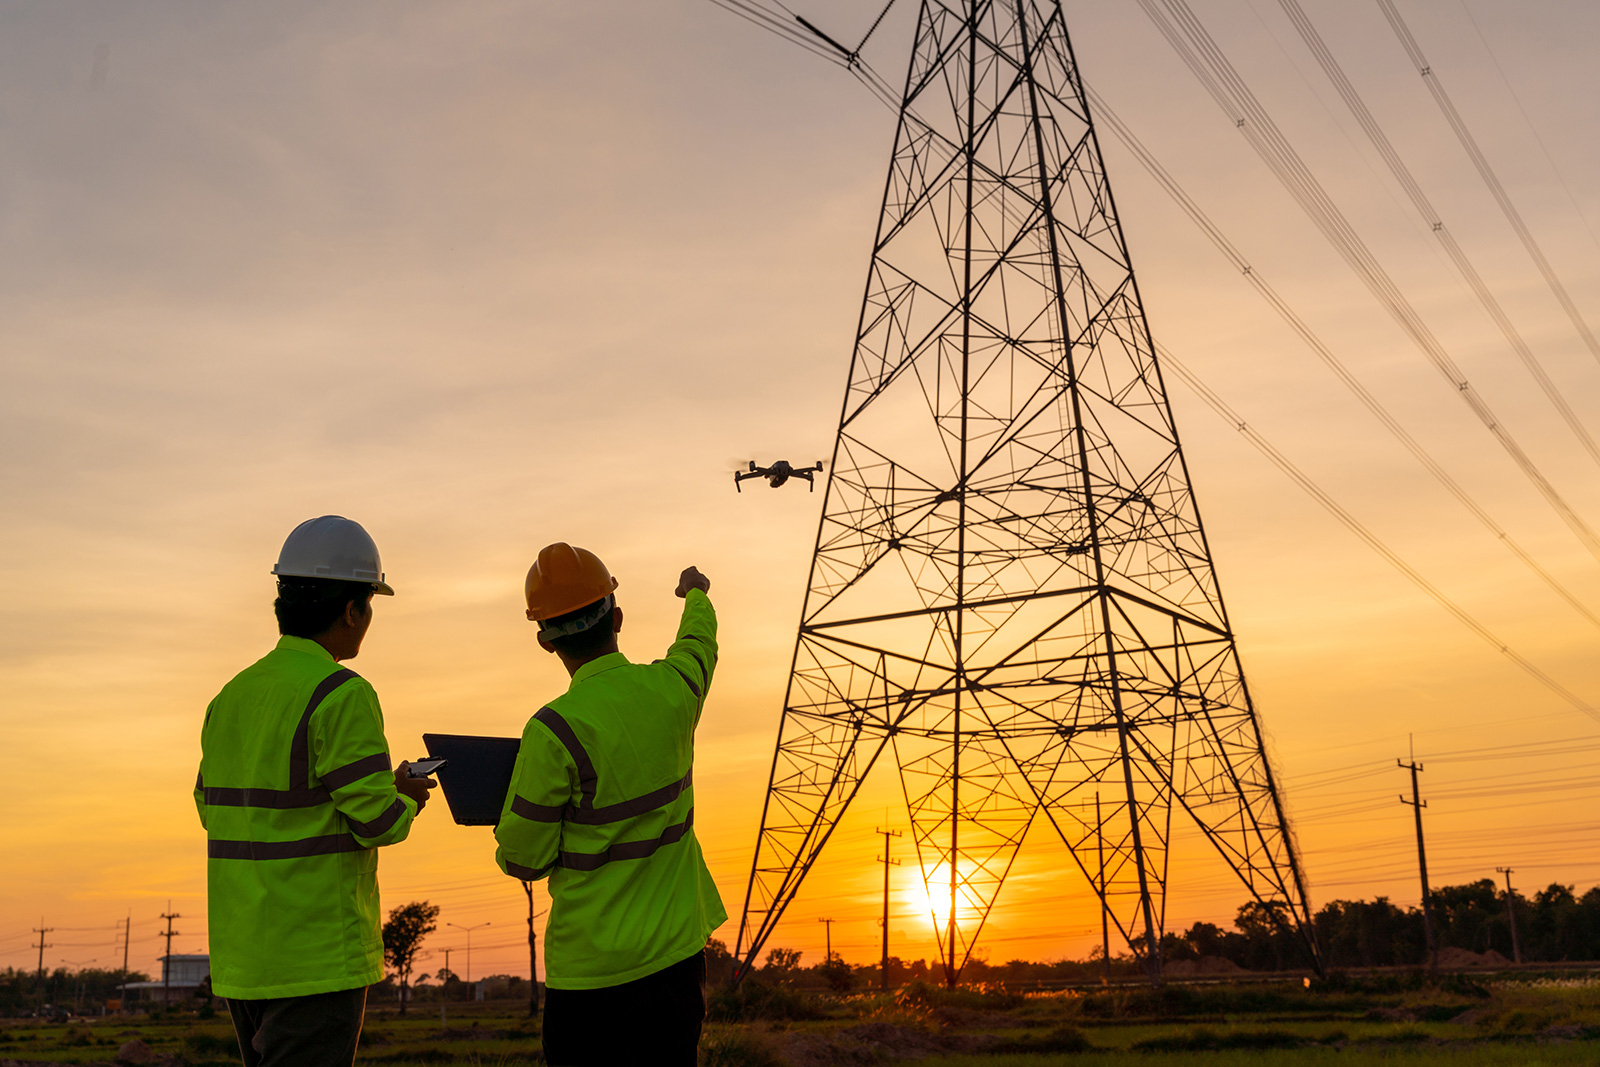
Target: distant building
x=180 y=977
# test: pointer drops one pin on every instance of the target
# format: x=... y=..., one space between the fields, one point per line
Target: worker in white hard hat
x=297 y=792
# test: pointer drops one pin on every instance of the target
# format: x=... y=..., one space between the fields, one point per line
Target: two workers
x=297 y=791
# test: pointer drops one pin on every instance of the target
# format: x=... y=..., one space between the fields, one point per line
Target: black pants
x=319 y=1030
x=652 y=1020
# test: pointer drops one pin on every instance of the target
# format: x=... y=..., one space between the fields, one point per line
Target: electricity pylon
x=1012 y=593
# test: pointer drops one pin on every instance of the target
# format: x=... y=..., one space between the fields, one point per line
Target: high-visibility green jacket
x=602 y=803
x=296 y=793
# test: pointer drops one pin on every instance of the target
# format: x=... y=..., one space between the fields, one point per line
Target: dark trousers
x=319 y=1030
x=652 y=1020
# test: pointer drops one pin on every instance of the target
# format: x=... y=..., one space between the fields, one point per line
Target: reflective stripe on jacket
x=296 y=792
x=602 y=803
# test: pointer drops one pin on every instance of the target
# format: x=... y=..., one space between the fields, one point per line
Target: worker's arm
x=693 y=655
x=351 y=757
x=199 y=775
x=544 y=782
x=200 y=799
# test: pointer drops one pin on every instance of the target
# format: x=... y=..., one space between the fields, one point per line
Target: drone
x=777 y=474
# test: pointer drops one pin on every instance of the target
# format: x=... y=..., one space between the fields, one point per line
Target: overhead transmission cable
x=1214 y=233
x=1211 y=67
x=1402 y=174
x=1528 y=119
x=1332 y=506
x=779 y=25
x=1480 y=162
x=1355 y=526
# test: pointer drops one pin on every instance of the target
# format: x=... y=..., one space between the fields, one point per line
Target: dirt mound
x=1203 y=965
x=1460 y=959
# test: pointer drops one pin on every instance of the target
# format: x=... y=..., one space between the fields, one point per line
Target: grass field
x=1403 y=1022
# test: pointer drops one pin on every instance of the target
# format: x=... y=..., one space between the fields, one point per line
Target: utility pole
x=444 y=992
x=887 y=863
x=166 y=961
x=1105 y=908
x=41 y=930
x=1416 y=803
x=533 y=955
x=127 y=936
x=828 y=927
x=1511 y=912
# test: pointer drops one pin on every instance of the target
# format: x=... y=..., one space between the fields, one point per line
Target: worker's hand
x=691 y=578
x=415 y=788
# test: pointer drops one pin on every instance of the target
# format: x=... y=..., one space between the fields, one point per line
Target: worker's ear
x=616 y=619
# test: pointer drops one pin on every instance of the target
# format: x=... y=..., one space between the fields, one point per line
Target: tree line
x=1553 y=925
x=89 y=987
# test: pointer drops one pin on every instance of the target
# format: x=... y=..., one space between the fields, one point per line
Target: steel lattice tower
x=1012 y=591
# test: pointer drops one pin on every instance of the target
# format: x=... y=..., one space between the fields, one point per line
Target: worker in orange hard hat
x=602 y=804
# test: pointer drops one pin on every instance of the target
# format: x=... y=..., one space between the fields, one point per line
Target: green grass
x=1392 y=1022
x=1574 y=1055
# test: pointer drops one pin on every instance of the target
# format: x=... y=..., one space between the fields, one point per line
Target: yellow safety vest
x=602 y=803
x=296 y=793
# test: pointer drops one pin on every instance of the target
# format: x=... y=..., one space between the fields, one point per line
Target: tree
x=719 y=963
x=781 y=964
x=402 y=939
x=839 y=975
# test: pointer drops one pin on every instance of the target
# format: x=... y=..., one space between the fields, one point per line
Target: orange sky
x=515 y=272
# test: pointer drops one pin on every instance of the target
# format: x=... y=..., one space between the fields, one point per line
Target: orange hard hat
x=564 y=579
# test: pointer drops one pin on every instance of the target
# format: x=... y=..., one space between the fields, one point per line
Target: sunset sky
x=491 y=274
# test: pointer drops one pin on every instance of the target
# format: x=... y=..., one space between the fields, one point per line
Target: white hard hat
x=332 y=546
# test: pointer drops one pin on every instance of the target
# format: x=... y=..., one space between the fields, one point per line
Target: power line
x=1480 y=163
x=1419 y=200
x=1212 y=69
x=1511 y=90
x=1354 y=525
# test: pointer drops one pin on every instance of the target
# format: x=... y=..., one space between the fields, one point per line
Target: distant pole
x=41 y=930
x=469 y=930
x=1416 y=803
x=1511 y=911
x=828 y=927
x=533 y=955
x=444 y=994
x=127 y=936
x=887 y=863
x=1105 y=908
x=166 y=961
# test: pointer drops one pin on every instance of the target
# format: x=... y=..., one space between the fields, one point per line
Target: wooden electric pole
x=127 y=936
x=1105 y=907
x=166 y=961
x=828 y=928
x=41 y=930
x=887 y=863
x=1416 y=803
x=1511 y=912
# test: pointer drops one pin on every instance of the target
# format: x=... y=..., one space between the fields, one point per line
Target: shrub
x=736 y=1049
x=755 y=999
x=203 y=1044
x=1202 y=1039
x=1060 y=1039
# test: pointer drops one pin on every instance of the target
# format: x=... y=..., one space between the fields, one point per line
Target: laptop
x=478 y=776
